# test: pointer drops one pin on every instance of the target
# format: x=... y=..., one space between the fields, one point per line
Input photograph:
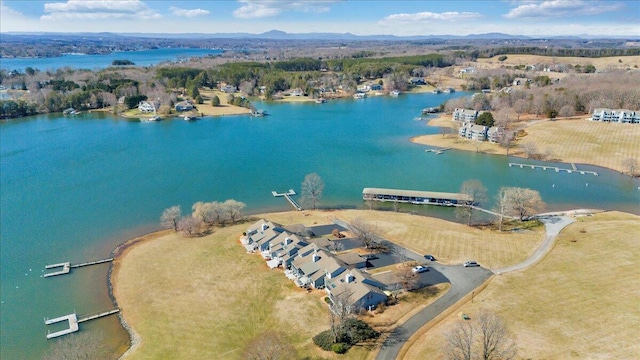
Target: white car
x=420 y=269
x=471 y=263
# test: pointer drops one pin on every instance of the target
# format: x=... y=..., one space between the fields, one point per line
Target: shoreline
x=453 y=141
x=119 y=253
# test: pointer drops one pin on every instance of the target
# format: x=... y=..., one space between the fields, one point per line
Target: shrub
x=359 y=331
x=324 y=340
x=340 y=348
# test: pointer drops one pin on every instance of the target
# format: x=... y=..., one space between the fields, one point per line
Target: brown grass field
x=580 y=302
x=600 y=63
x=567 y=140
x=204 y=297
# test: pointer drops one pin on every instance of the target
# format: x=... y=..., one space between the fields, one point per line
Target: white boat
x=154 y=118
x=188 y=118
x=321 y=100
x=437 y=91
x=258 y=112
x=394 y=93
x=359 y=95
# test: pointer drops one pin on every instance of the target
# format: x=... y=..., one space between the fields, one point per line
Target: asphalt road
x=463 y=281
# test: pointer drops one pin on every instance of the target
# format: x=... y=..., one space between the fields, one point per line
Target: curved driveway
x=463 y=281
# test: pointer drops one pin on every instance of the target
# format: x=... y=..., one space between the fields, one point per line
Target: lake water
x=72 y=188
x=140 y=58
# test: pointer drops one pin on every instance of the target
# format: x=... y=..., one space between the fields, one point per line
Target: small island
x=122 y=63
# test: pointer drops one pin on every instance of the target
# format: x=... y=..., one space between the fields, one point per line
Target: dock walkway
x=67 y=266
x=287 y=195
x=73 y=321
x=574 y=168
x=438 y=151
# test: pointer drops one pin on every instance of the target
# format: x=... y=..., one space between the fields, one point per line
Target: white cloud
x=9 y=12
x=559 y=8
x=188 y=13
x=426 y=16
x=253 y=9
x=98 y=10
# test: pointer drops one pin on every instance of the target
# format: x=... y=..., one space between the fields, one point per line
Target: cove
x=73 y=188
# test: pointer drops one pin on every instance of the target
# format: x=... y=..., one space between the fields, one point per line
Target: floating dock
x=287 y=195
x=66 y=266
x=415 y=197
x=574 y=168
x=438 y=151
x=73 y=321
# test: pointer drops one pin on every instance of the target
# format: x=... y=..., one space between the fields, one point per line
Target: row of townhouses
x=472 y=131
x=309 y=263
x=618 y=115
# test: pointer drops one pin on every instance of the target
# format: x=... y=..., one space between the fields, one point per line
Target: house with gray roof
x=465 y=115
x=361 y=290
x=313 y=268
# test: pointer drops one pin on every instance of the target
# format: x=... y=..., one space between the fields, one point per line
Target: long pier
x=287 y=195
x=73 y=322
x=574 y=168
x=67 y=266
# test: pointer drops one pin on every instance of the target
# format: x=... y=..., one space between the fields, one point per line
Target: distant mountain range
x=281 y=35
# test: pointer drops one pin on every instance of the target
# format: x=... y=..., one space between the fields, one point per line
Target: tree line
x=203 y=214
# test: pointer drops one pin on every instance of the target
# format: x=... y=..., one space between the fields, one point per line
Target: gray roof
x=414 y=193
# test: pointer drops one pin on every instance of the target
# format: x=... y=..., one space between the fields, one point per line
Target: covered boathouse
x=415 y=197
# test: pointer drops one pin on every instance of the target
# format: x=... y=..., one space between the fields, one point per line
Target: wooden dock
x=73 y=321
x=437 y=151
x=415 y=197
x=574 y=168
x=67 y=266
x=287 y=195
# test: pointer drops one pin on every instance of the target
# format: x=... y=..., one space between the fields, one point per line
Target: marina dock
x=73 y=321
x=287 y=195
x=415 y=197
x=67 y=266
x=574 y=168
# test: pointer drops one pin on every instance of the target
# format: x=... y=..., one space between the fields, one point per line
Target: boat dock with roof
x=415 y=197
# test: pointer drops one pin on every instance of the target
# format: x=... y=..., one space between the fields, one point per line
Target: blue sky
x=360 y=17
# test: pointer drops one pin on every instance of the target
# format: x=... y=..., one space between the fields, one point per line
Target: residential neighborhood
x=316 y=261
x=617 y=116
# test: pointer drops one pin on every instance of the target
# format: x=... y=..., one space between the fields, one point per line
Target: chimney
x=287 y=241
x=349 y=278
x=264 y=226
x=316 y=257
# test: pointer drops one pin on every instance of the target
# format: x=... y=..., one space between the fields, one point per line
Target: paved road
x=463 y=281
x=553 y=225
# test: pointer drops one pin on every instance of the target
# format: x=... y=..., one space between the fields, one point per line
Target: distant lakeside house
x=472 y=131
x=148 y=106
x=184 y=106
x=618 y=116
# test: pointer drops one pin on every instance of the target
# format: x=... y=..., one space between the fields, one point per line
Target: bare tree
x=631 y=165
x=234 y=209
x=340 y=309
x=502 y=203
x=189 y=225
x=520 y=106
x=477 y=195
x=521 y=202
x=530 y=148
x=270 y=345
x=408 y=279
x=484 y=337
x=566 y=111
x=312 y=187
x=170 y=217
x=366 y=232
x=506 y=139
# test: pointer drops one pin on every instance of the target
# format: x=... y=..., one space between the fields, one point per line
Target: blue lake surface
x=73 y=188
x=92 y=62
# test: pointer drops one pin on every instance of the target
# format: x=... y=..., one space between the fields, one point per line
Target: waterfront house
x=495 y=133
x=472 y=131
x=360 y=289
x=520 y=81
x=352 y=260
x=417 y=81
x=296 y=92
x=465 y=115
x=230 y=89
x=618 y=115
x=148 y=106
x=184 y=106
x=282 y=249
x=313 y=268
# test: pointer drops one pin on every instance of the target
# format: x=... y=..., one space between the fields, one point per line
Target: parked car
x=420 y=269
x=370 y=257
x=471 y=263
x=430 y=257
